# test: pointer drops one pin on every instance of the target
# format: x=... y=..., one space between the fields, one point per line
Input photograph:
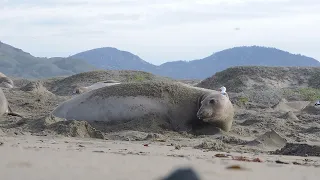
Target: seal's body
x=179 y=104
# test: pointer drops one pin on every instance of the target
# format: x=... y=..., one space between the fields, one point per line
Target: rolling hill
x=17 y=63
x=237 y=56
x=112 y=58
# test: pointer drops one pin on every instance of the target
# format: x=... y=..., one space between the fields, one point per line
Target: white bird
x=223 y=90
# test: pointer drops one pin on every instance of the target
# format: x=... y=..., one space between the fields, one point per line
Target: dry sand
x=42 y=147
x=29 y=157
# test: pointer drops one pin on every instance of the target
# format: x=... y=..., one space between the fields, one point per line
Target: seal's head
x=216 y=108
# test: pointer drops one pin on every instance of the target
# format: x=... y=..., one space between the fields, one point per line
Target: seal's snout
x=200 y=115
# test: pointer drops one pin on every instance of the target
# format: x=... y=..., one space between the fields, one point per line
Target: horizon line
x=70 y=56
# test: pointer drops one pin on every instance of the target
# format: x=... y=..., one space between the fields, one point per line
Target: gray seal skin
x=5 y=107
x=185 y=107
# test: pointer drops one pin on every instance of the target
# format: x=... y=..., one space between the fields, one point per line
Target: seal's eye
x=212 y=101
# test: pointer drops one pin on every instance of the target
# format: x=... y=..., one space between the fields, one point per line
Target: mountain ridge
x=237 y=56
x=100 y=57
x=15 y=62
x=18 y=63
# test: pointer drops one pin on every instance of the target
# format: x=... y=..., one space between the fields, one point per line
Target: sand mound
x=6 y=82
x=311 y=109
x=213 y=145
x=256 y=99
x=242 y=78
x=76 y=129
x=282 y=106
x=289 y=115
x=66 y=128
x=286 y=106
x=20 y=82
x=2 y=133
x=269 y=140
x=293 y=149
x=231 y=140
x=298 y=105
x=133 y=136
x=35 y=87
x=66 y=85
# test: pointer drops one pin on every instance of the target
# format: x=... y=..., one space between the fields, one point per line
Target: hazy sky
x=160 y=30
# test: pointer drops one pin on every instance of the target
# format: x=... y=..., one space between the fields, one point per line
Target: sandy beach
x=32 y=157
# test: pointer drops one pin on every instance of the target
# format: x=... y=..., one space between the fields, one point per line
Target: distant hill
x=238 y=56
x=114 y=59
x=17 y=63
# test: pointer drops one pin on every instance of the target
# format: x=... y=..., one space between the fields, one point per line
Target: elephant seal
x=5 y=81
x=80 y=90
x=182 y=106
x=5 y=107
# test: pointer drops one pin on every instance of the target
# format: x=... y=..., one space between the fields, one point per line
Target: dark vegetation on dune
x=65 y=86
x=242 y=78
x=266 y=86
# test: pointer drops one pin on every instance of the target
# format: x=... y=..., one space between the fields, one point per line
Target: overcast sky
x=160 y=30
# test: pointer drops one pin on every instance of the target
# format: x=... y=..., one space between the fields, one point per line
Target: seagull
x=223 y=90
